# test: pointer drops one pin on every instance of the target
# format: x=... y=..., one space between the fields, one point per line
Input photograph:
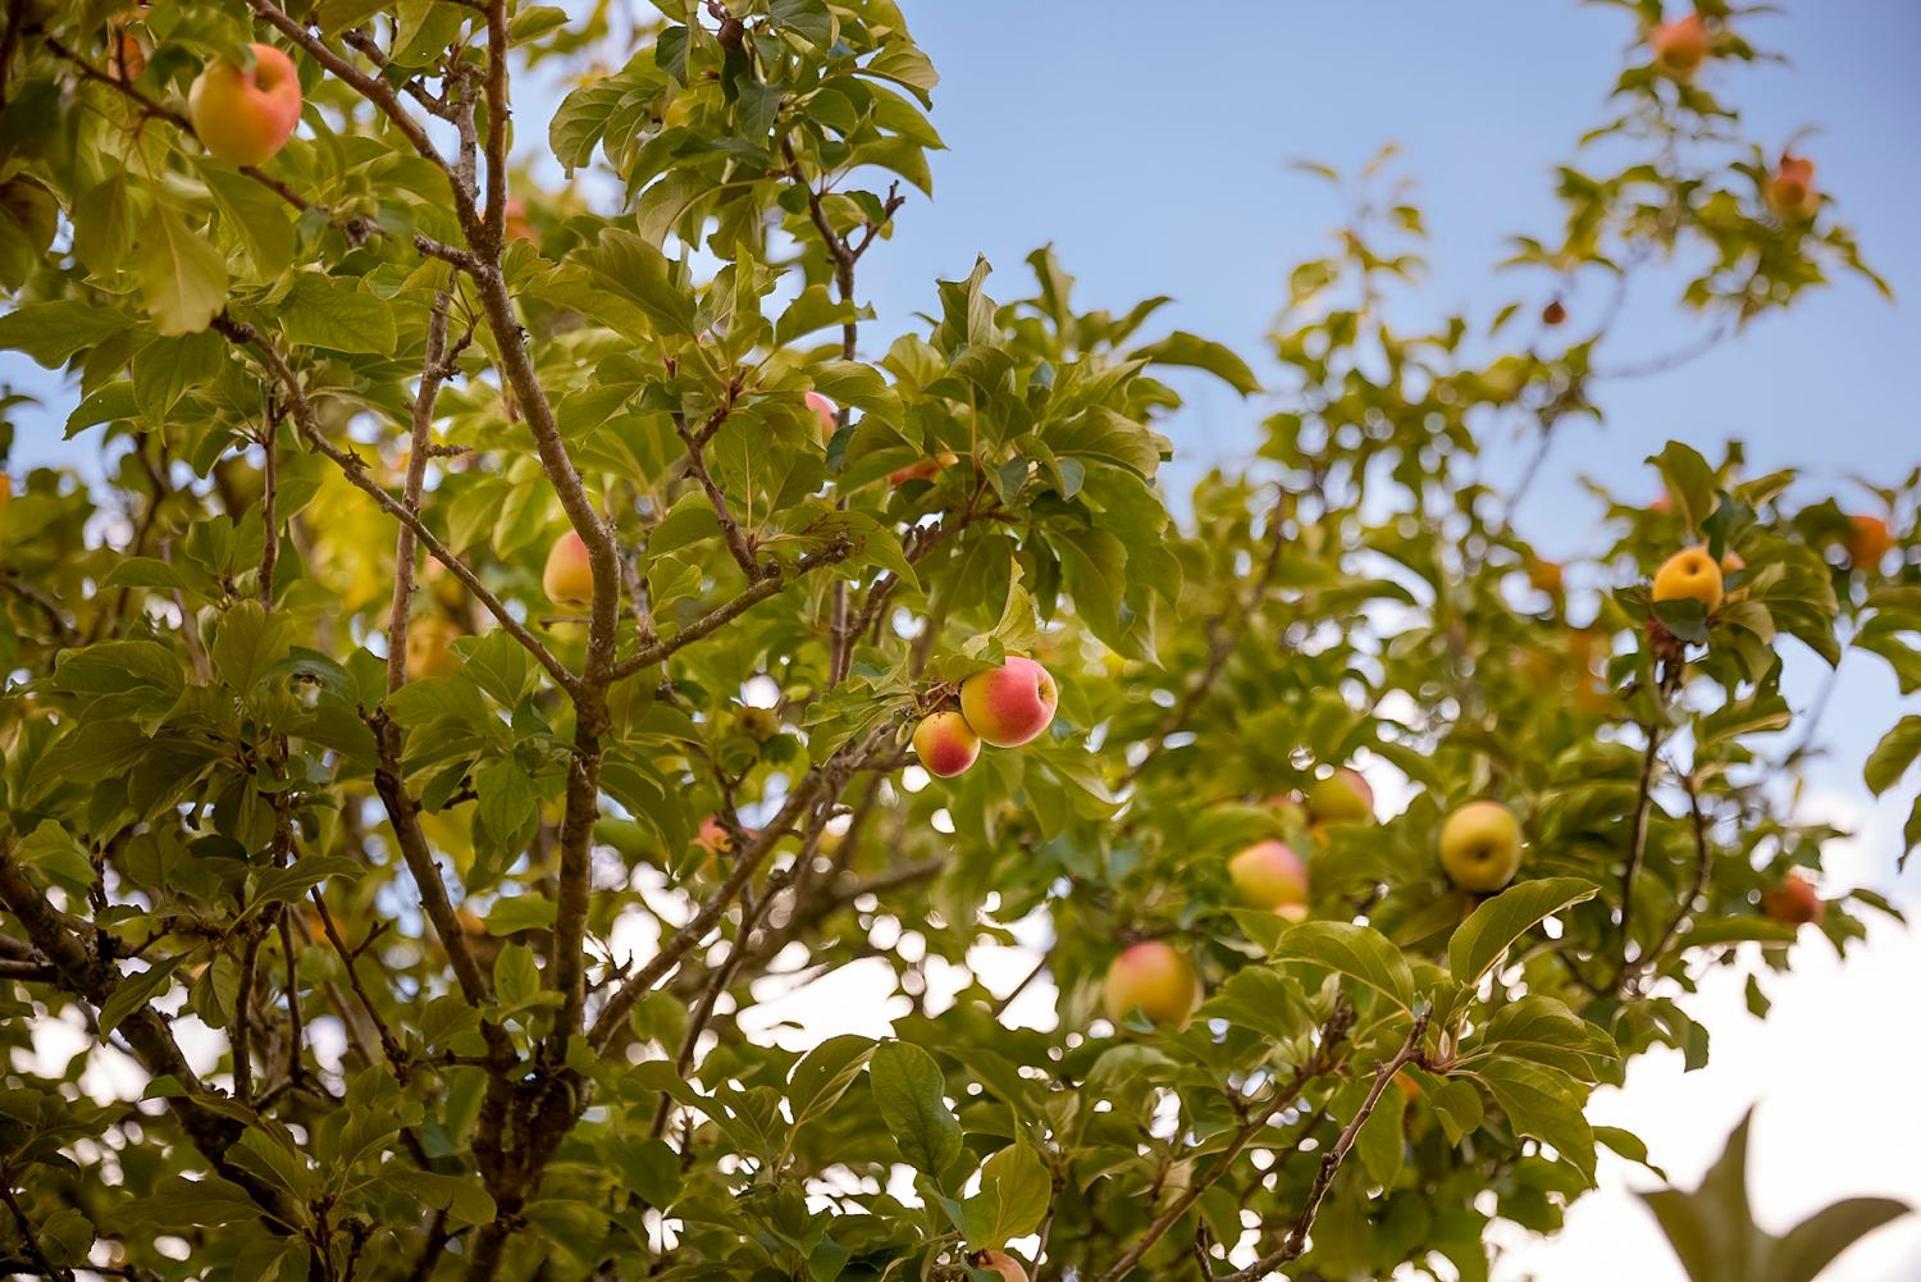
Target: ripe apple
x=925 y=470
x=569 y=576
x=1010 y=705
x=246 y=116
x=1689 y=575
x=1794 y=901
x=1791 y=190
x=430 y=648
x=826 y=411
x=1269 y=874
x=1344 y=797
x=1155 y=978
x=1481 y=846
x=1002 y=1263
x=1680 y=47
x=713 y=837
x=946 y=744
x=1544 y=576
x=1868 y=541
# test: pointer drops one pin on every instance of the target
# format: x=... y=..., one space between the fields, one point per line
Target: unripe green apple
x=1344 y=797
x=946 y=744
x=1010 y=705
x=1795 y=901
x=1270 y=875
x=246 y=116
x=1154 y=977
x=1689 y=575
x=569 y=576
x=1481 y=846
x=1002 y=1263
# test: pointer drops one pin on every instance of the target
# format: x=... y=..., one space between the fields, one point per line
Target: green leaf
x=824 y=1074
x=516 y=977
x=514 y=913
x=1690 y=482
x=51 y=333
x=337 y=315
x=1012 y=1202
x=249 y=642
x=136 y=990
x=1815 y=1242
x=165 y=369
x=909 y=1091
x=182 y=277
x=1893 y=755
x=1379 y=1141
x=461 y=1197
x=508 y=798
x=1480 y=942
x=1545 y=1104
x=257 y=218
x=1360 y=952
x=1182 y=348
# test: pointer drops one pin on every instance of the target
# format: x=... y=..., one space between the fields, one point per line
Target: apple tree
x=515 y=630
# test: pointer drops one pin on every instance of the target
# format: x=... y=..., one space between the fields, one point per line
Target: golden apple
x=569 y=576
x=1344 y=797
x=1154 y=978
x=1481 y=846
x=1689 y=575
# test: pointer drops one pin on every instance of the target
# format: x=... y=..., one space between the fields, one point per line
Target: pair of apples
x=1005 y=707
x=1480 y=850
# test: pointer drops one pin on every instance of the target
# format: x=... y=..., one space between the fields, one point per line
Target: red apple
x=1010 y=705
x=1791 y=190
x=1002 y=1263
x=1868 y=542
x=1680 y=47
x=245 y=116
x=826 y=411
x=1795 y=902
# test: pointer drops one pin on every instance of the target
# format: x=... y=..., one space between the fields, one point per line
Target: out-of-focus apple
x=245 y=115
x=1155 y=978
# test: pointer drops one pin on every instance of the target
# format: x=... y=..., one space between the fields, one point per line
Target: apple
x=245 y=116
x=1868 y=541
x=826 y=411
x=1554 y=313
x=1002 y=1263
x=1544 y=576
x=713 y=837
x=1791 y=191
x=430 y=648
x=1154 y=977
x=1344 y=797
x=569 y=576
x=925 y=470
x=1661 y=503
x=1268 y=874
x=1481 y=846
x=1410 y=1088
x=1689 y=575
x=1680 y=47
x=518 y=228
x=946 y=744
x=1795 y=901
x=1010 y=705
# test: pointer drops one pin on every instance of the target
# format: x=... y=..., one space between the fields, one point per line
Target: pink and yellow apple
x=925 y=470
x=1010 y=705
x=1344 y=797
x=1681 y=46
x=569 y=576
x=245 y=116
x=1154 y=978
x=1791 y=190
x=946 y=744
x=1689 y=575
x=1481 y=846
x=1795 y=901
x=826 y=411
x=1002 y=1263
x=1268 y=874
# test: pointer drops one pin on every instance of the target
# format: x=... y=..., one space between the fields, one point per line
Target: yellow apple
x=569 y=576
x=1270 y=875
x=1481 y=846
x=1344 y=797
x=1689 y=575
